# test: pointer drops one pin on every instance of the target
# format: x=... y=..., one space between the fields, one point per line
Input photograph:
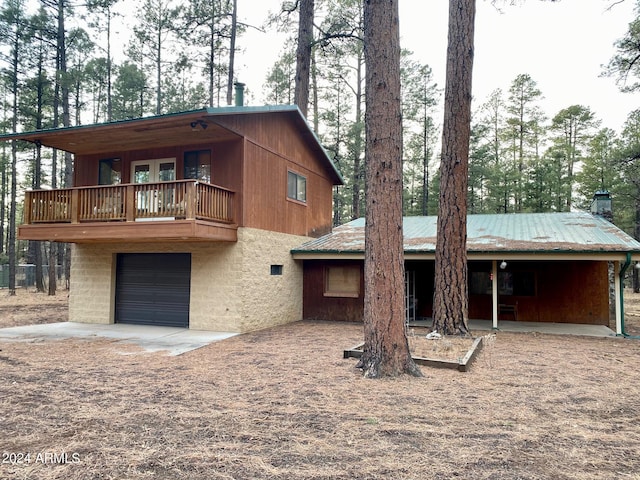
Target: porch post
x=494 y=293
x=28 y=206
x=130 y=204
x=616 y=288
x=190 y=208
x=75 y=205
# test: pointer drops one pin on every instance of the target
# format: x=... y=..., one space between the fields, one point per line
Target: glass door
x=151 y=200
x=150 y=171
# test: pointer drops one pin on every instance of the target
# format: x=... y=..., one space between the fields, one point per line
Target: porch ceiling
x=163 y=131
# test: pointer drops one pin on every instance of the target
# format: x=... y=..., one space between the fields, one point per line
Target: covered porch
x=555 y=268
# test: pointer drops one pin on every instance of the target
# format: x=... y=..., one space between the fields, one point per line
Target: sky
x=561 y=45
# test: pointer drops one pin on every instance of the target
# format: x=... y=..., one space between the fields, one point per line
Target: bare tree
x=386 y=350
x=450 y=301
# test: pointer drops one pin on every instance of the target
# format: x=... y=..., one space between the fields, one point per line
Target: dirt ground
x=283 y=404
x=29 y=307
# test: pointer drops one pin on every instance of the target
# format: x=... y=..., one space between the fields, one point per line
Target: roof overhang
x=160 y=131
x=482 y=256
x=184 y=128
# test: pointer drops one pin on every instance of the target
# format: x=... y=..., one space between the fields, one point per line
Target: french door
x=151 y=200
x=150 y=171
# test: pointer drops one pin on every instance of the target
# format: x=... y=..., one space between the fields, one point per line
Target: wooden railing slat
x=181 y=199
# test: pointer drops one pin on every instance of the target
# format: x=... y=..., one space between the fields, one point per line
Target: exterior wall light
x=201 y=123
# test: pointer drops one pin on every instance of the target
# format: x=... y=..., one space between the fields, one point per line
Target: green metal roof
x=568 y=233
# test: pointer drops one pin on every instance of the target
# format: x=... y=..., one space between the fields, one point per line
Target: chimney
x=601 y=205
x=239 y=94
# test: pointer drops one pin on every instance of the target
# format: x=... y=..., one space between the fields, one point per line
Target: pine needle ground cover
x=283 y=404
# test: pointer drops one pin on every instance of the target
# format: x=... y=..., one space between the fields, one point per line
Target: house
x=538 y=267
x=187 y=219
x=221 y=219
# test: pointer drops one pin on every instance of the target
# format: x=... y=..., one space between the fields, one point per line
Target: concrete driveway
x=174 y=341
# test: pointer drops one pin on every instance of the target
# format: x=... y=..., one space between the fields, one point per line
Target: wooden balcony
x=183 y=210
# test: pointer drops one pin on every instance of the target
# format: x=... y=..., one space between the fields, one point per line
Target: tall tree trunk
x=159 y=70
x=212 y=56
x=314 y=90
x=109 y=67
x=37 y=246
x=303 y=55
x=37 y=169
x=386 y=350
x=53 y=246
x=451 y=302
x=12 y=217
x=3 y=195
x=66 y=119
x=425 y=162
x=11 y=250
x=232 y=52
x=357 y=143
x=636 y=235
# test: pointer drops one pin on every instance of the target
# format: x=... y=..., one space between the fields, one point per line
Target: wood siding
x=273 y=146
x=255 y=168
x=318 y=307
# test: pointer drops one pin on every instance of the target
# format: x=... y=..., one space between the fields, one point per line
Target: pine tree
x=450 y=302
x=386 y=350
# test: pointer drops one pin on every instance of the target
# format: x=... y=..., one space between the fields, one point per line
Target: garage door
x=153 y=289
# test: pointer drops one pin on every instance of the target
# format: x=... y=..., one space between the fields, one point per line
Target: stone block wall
x=269 y=300
x=92 y=284
x=232 y=288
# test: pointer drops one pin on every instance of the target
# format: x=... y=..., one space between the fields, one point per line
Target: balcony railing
x=182 y=199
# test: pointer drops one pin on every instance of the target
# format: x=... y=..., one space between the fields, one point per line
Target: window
x=110 y=171
x=342 y=281
x=480 y=283
x=197 y=165
x=522 y=284
x=296 y=187
x=276 y=269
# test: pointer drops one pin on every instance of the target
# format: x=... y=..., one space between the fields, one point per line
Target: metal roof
x=523 y=233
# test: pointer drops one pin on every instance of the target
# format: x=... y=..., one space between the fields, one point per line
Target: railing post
x=130 y=204
x=75 y=205
x=190 y=200
x=28 y=207
x=230 y=213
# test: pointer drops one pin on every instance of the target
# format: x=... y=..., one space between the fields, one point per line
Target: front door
x=150 y=200
x=150 y=171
